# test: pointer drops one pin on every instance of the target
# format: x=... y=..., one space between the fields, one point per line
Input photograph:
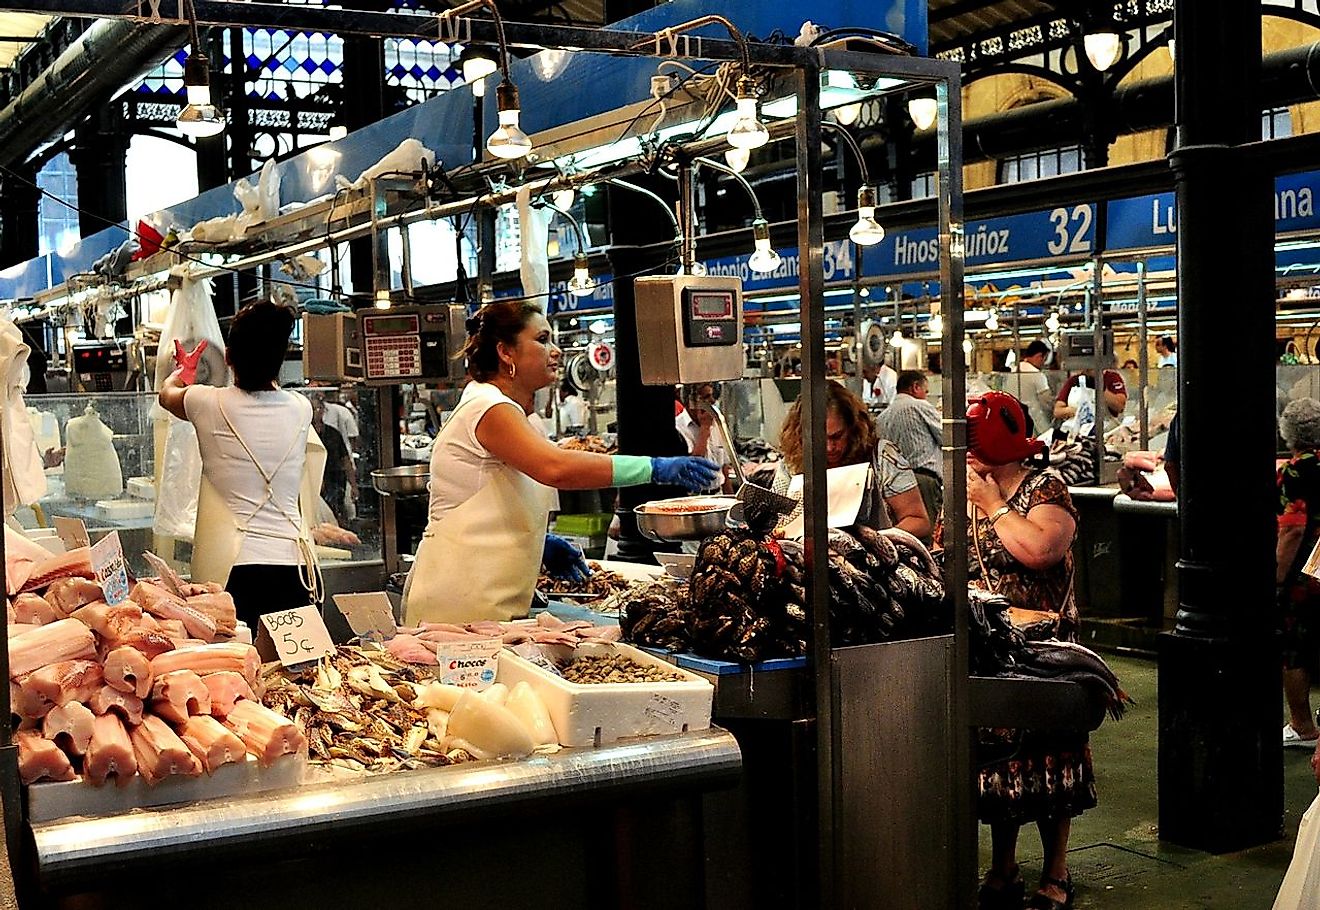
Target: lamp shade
x=1103 y=48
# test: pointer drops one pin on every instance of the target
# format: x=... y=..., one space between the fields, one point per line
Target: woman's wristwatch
x=999 y=513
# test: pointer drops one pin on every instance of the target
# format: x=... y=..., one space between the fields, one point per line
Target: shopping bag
x=181 y=478
x=1301 y=885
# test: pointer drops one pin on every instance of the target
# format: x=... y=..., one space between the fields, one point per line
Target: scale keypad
x=394 y=355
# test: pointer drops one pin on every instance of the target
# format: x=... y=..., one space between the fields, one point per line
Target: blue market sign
x=1151 y=221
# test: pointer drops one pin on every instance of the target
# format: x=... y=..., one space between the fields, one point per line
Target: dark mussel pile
x=746 y=598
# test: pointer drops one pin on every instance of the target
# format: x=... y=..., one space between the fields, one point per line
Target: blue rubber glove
x=563 y=559
x=690 y=471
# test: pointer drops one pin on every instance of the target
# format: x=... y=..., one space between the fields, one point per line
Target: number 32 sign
x=299 y=635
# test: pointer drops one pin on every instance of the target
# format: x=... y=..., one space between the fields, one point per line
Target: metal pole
x=1095 y=292
x=962 y=816
x=1143 y=356
x=687 y=216
x=811 y=290
x=858 y=340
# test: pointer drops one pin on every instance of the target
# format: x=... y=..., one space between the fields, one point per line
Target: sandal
x=1007 y=896
x=1041 y=901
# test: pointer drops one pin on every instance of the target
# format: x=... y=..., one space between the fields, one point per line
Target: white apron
x=480 y=560
x=220 y=532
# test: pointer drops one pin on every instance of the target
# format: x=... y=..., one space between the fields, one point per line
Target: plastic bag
x=261 y=202
x=1301 y=885
x=191 y=319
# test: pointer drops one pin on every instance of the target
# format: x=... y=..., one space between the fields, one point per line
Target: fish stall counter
x=530 y=832
x=1125 y=555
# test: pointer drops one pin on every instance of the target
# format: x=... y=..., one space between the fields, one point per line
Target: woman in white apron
x=492 y=474
x=255 y=444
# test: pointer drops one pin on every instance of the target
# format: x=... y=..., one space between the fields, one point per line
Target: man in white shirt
x=879 y=385
x=696 y=424
x=1032 y=388
x=572 y=409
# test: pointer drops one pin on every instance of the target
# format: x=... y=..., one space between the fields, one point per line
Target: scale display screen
x=390 y=325
x=711 y=305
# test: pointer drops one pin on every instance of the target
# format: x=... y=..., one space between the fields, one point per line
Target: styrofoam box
x=591 y=714
x=141 y=487
x=50 y=800
x=125 y=509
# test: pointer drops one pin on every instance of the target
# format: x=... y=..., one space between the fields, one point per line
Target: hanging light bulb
x=896 y=339
x=1052 y=321
x=737 y=158
x=747 y=131
x=864 y=292
x=383 y=299
x=338 y=132
x=508 y=141
x=847 y=114
x=563 y=199
x=992 y=321
x=967 y=345
x=477 y=62
x=1010 y=360
x=1103 y=47
x=936 y=325
x=199 y=117
x=867 y=231
x=922 y=109
x=581 y=284
x=763 y=258
x=697 y=268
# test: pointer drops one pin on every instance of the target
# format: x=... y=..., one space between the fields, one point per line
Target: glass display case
x=102 y=452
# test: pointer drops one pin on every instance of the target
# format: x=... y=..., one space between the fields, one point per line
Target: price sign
x=299 y=635
x=601 y=355
x=111 y=571
x=72 y=532
x=469 y=664
x=368 y=614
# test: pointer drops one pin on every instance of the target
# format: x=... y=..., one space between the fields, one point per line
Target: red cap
x=997 y=430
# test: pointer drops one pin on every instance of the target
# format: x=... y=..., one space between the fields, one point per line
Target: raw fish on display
x=203 y=659
x=109 y=753
x=151 y=643
x=126 y=705
x=226 y=688
x=178 y=695
x=68 y=594
x=160 y=752
x=163 y=605
x=128 y=670
x=66 y=639
x=77 y=563
x=64 y=681
x=34 y=609
x=21 y=557
x=211 y=742
x=41 y=759
x=266 y=734
x=107 y=621
x=70 y=727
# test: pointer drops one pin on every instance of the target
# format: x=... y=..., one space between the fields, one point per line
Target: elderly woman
x=1020 y=545
x=1299 y=594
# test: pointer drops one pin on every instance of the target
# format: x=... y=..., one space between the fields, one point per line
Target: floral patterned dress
x=1299 y=596
x=1022 y=775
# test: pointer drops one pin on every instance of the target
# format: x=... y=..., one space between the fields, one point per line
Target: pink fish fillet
x=21 y=557
x=107 y=621
x=191 y=589
x=212 y=742
x=203 y=659
x=108 y=700
x=109 y=753
x=66 y=639
x=178 y=695
x=9 y=612
x=34 y=609
x=162 y=604
x=41 y=759
x=65 y=681
x=173 y=628
x=160 y=752
x=411 y=649
x=151 y=643
x=266 y=734
x=226 y=688
x=600 y=633
x=128 y=670
x=28 y=704
x=17 y=628
x=219 y=606
x=68 y=594
x=73 y=564
x=70 y=727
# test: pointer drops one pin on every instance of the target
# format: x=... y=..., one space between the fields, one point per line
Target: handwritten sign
x=111 y=571
x=299 y=635
x=73 y=532
x=368 y=614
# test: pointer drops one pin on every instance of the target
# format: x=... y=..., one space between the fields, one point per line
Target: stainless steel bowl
x=701 y=516
x=406 y=480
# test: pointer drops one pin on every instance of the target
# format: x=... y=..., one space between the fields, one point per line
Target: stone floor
x=1116 y=856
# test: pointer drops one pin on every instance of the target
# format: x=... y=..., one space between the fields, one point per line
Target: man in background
x=913 y=425
x=1033 y=389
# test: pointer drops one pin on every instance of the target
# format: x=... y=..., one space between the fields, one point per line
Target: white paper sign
x=72 y=531
x=111 y=572
x=470 y=664
x=368 y=613
x=299 y=635
x=845 y=488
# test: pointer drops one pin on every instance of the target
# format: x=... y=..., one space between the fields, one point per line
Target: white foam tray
x=587 y=715
x=51 y=800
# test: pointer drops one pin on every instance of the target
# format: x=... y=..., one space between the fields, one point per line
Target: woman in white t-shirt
x=491 y=471
x=253 y=438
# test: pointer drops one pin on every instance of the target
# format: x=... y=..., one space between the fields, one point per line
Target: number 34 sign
x=299 y=635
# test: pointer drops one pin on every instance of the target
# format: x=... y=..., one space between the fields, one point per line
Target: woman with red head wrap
x=1020 y=545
